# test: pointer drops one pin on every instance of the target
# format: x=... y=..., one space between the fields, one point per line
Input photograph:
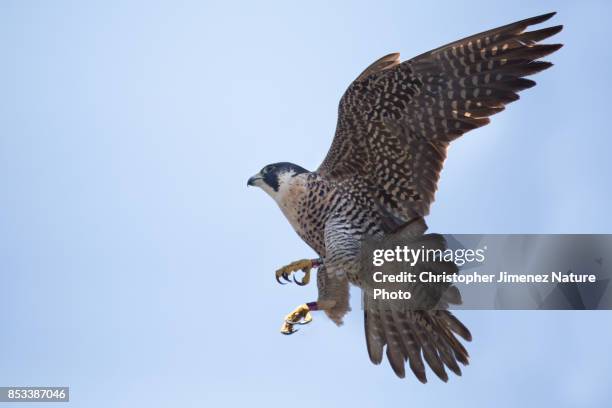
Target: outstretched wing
x=396 y=119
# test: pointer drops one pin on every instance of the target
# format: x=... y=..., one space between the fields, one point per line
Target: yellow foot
x=301 y=315
x=304 y=265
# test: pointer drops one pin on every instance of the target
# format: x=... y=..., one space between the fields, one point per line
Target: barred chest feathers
x=305 y=200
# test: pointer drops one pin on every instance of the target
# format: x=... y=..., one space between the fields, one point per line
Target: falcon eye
x=267 y=169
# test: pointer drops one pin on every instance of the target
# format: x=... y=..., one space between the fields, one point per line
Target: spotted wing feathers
x=396 y=119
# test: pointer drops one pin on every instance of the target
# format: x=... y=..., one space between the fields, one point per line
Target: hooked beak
x=253 y=179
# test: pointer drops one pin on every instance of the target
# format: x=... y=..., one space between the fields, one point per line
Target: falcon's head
x=275 y=178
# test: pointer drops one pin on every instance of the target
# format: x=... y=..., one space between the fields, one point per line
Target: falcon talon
x=300 y=316
x=304 y=265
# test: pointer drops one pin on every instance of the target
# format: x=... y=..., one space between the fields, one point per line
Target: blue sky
x=138 y=269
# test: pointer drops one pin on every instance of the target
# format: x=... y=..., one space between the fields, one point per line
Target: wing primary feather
x=512 y=28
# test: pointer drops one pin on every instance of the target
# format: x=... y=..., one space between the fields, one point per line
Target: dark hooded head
x=274 y=176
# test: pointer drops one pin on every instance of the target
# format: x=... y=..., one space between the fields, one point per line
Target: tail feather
x=416 y=337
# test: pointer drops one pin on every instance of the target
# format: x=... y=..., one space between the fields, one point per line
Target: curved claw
x=307 y=319
x=286 y=277
x=303 y=282
x=297 y=282
x=290 y=330
x=279 y=281
x=305 y=279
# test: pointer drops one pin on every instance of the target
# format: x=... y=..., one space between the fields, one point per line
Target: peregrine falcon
x=395 y=122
